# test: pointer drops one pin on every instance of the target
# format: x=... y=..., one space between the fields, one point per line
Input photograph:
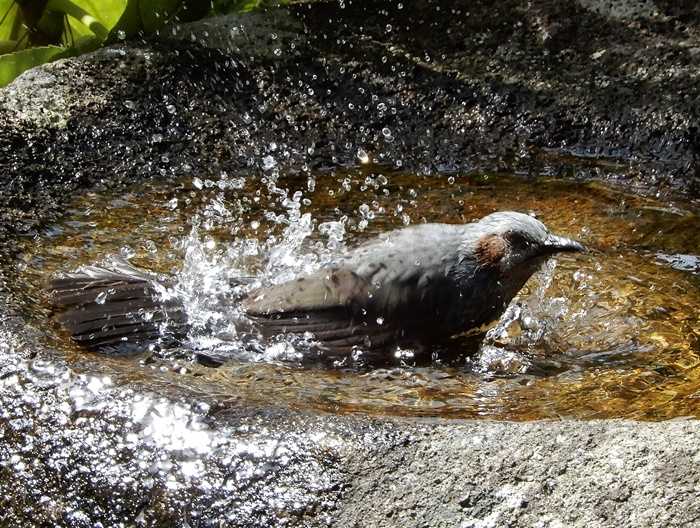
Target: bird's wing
x=326 y=304
x=113 y=307
x=369 y=300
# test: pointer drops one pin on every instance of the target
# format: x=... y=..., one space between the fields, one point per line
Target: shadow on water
x=613 y=333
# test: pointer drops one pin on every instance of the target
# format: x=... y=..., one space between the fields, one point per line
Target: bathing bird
x=411 y=286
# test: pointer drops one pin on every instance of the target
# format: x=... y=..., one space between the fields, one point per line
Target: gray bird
x=415 y=286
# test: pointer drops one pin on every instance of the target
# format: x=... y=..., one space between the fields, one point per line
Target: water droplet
x=121 y=34
x=101 y=297
x=380 y=321
x=127 y=252
x=171 y=108
x=268 y=163
x=386 y=132
x=451 y=180
x=150 y=246
x=197 y=183
x=362 y=156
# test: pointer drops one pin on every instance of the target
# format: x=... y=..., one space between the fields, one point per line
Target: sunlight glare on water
x=118 y=439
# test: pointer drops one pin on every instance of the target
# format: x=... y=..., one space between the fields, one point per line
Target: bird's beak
x=556 y=244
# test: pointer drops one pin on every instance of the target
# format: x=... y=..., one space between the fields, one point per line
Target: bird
x=412 y=286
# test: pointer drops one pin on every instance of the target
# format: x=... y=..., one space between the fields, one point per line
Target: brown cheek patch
x=490 y=250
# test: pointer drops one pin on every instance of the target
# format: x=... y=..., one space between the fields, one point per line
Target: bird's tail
x=117 y=307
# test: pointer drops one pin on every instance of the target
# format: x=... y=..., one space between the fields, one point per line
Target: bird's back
x=396 y=287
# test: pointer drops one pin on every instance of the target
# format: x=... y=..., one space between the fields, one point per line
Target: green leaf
x=98 y=16
x=75 y=32
x=129 y=23
x=85 y=44
x=108 y=12
x=11 y=27
x=249 y=5
x=8 y=46
x=12 y=64
x=51 y=26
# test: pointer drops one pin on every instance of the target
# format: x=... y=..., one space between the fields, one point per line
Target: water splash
x=215 y=276
x=621 y=322
x=509 y=346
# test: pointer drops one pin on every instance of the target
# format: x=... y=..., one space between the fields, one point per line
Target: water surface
x=612 y=333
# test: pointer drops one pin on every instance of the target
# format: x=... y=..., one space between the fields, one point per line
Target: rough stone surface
x=523 y=81
x=578 y=89
x=547 y=474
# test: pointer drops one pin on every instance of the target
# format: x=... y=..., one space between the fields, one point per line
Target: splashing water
x=212 y=278
x=522 y=329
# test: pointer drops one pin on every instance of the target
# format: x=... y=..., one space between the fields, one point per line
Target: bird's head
x=510 y=247
x=507 y=239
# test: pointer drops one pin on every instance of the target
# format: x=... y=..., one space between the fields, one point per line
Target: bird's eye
x=519 y=242
x=515 y=238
